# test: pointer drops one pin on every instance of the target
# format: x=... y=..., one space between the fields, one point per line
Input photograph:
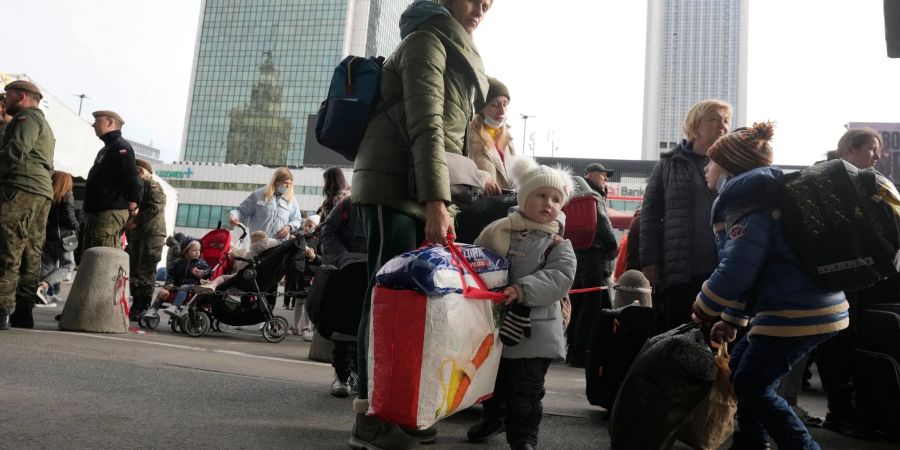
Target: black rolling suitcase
x=616 y=339
x=875 y=368
x=473 y=217
x=335 y=299
x=670 y=377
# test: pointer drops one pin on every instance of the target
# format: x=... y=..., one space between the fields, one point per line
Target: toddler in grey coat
x=542 y=269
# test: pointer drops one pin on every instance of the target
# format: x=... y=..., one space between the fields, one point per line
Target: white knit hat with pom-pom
x=530 y=176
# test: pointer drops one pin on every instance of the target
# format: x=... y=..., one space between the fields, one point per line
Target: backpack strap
x=555 y=239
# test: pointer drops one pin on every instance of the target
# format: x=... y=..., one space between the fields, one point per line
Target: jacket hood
x=418 y=13
x=752 y=189
x=434 y=17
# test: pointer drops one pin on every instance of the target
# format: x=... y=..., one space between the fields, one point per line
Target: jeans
x=389 y=233
x=56 y=264
x=518 y=392
x=758 y=363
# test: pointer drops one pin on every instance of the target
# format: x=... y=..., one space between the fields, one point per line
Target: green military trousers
x=23 y=229
x=144 y=253
x=104 y=229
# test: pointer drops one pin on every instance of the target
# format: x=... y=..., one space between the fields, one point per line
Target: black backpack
x=845 y=236
x=352 y=98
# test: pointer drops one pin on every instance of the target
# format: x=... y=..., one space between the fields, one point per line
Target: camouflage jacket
x=151 y=218
x=26 y=153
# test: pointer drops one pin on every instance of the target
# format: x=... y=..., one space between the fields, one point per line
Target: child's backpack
x=581 y=214
x=352 y=98
x=836 y=219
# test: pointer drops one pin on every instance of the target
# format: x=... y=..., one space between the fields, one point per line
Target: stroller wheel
x=215 y=325
x=175 y=323
x=150 y=322
x=195 y=323
x=275 y=330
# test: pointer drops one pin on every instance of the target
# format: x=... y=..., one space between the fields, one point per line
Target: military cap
x=26 y=86
x=144 y=165
x=597 y=167
x=112 y=114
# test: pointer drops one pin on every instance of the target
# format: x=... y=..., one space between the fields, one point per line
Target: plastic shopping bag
x=434 y=271
x=712 y=422
x=433 y=355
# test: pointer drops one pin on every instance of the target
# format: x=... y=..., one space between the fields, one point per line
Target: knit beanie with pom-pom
x=744 y=149
x=530 y=176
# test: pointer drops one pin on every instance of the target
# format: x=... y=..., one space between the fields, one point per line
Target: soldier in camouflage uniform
x=26 y=162
x=113 y=188
x=146 y=233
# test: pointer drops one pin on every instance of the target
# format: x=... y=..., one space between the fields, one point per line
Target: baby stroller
x=248 y=297
x=217 y=252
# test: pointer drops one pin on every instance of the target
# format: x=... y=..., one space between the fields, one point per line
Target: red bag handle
x=462 y=265
x=590 y=289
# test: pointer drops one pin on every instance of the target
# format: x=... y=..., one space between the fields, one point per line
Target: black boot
x=522 y=446
x=4 y=319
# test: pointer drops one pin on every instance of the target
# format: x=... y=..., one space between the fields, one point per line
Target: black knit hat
x=744 y=149
x=186 y=243
x=496 y=89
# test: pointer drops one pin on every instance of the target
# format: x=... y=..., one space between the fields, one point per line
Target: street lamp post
x=81 y=98
x=525 y=118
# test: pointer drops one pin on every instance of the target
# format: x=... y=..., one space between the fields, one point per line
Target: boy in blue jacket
x=759 y=284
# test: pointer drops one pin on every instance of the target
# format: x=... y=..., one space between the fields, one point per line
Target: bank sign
x=170 y=174
x=889 y=164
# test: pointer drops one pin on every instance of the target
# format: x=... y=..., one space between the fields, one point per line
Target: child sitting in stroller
x=188 y=270
x=259 y=241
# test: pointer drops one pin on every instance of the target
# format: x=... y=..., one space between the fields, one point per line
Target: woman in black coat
x=57 y=262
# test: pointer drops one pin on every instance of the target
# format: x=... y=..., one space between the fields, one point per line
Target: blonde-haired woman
x=677 y=250
x=490 y=144
x=271 y=208
x=56 y=262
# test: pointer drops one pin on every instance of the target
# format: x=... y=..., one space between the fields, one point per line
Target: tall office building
x=696 y=49
x=262 y=66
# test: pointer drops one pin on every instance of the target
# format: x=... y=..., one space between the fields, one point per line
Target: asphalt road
x=227 y=390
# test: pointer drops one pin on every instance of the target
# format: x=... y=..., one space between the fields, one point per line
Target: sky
x=575 y=66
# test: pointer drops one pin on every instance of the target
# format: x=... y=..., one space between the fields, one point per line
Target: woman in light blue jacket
x=271 y=208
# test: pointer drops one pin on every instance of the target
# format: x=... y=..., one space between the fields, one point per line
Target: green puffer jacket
x=428 y=86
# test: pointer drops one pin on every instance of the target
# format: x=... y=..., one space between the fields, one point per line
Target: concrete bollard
x=320 y=349
x=94 y=303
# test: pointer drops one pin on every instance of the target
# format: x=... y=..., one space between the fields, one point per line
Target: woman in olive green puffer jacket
x=430 y=83
x=400 y=181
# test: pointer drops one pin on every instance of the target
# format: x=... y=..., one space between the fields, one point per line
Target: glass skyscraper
x=262 y=66
x=696 y=49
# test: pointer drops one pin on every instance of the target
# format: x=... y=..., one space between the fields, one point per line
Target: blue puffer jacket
x=758 y=275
